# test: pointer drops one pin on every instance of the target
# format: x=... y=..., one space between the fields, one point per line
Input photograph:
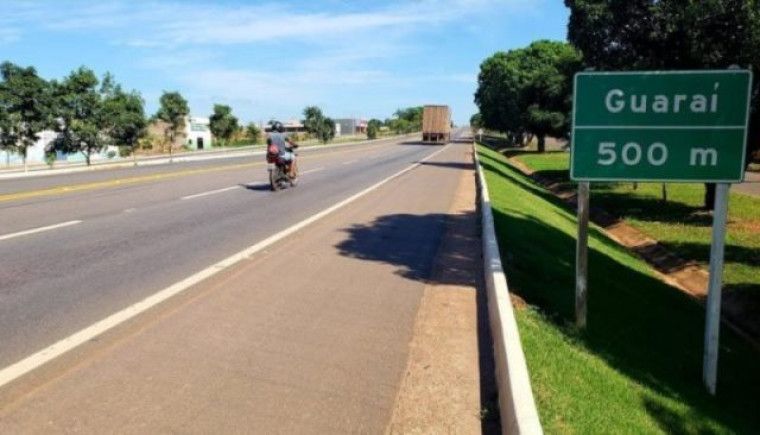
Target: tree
x=399 y=126
x=124 y=118
x=528 y=90
x=671 y=34
x=498 y=92
x=476 y=121
x=222 y=123
x=172 y=111
x=24 y=108
x=411 y=118
x=406 y=120
x=326 y=131
x=546 y=95
x=79 y=119
x=253 y=132
x=373 y=127
x=313 y=118
x=321 y=127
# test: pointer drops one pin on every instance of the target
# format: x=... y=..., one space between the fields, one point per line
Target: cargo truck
x=436 y=124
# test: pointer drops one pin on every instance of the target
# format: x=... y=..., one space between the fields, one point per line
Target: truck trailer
x=436 y=124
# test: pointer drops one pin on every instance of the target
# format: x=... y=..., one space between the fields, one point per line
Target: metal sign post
x=581 y=255
x=661 y=126
x=712 y=320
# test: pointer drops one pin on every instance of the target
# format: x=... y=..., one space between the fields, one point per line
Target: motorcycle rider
x=285 y=146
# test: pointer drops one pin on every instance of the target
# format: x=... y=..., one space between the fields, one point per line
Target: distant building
x=350 y=126
x=195 y=136
x=291 y=126
x=198 y=133
x=35 y=154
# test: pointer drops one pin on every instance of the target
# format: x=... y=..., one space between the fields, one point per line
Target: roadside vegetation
x=679 y=222
x=637 y=366
x=526 y=92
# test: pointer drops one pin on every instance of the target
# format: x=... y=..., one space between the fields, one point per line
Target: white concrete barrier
x=516 y=404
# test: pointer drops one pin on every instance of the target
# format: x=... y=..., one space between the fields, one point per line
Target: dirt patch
x=449 y=386
x=747 y=226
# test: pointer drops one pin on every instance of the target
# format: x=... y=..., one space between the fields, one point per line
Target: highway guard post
x=663 y=126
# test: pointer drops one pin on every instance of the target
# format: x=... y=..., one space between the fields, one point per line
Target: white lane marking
x=26 y=365
x=210 y=192
x=130 y=210
x=39 y=230
x=312 y=170
x=349 y=162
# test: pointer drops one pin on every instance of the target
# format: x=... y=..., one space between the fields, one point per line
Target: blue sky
x=271 y=59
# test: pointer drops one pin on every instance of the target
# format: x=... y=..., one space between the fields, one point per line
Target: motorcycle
x=280 y=170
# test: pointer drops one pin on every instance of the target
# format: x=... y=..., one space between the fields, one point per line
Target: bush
x=50 y=158
x=371 y=132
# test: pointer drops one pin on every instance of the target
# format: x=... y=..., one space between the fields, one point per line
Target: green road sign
x=660 y=126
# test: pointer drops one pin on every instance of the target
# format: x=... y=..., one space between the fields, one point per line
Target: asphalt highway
x=126 y=233
x=309 y=333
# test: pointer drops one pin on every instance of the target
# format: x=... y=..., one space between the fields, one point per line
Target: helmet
x=277 y=126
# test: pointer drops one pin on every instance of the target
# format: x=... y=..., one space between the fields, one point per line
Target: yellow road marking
x=147 y=178
x=110 y=183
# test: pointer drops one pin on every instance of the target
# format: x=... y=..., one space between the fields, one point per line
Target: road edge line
x=517 y=406
x=16 y=370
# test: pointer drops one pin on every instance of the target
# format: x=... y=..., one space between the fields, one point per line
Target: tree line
x=88 y=114
x=527 y=92
x=403 y=121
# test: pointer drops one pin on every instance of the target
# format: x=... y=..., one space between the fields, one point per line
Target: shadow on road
x=436 y=249
x=419 y=142
x=405 y=240
x=452 y=165
x=258 y=187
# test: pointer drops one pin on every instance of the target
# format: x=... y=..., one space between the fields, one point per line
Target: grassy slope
x=679 y=223
x=637 y=368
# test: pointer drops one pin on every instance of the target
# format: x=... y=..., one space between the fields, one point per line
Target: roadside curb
x=516 y=403
x=256 y=150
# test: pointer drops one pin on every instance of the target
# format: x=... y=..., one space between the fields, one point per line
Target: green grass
x=637 y=367
x=679 y=224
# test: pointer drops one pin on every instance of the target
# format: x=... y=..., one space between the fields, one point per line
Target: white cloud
x=9 y=34
x=195 y=46
x=151 y=23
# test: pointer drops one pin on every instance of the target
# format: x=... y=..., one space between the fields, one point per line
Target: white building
x=197 y=133
x=350 y=126
x=35 y=154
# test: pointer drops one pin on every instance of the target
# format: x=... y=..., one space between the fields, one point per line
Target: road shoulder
x=448 y=385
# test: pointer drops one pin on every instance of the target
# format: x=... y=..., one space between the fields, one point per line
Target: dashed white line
x=130 y=210
x=210 y=192
x=312 y=170
x=349 y=162
x=39 y=230
x=20 y=368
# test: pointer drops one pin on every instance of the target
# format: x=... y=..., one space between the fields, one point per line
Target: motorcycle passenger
x=285 y=146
